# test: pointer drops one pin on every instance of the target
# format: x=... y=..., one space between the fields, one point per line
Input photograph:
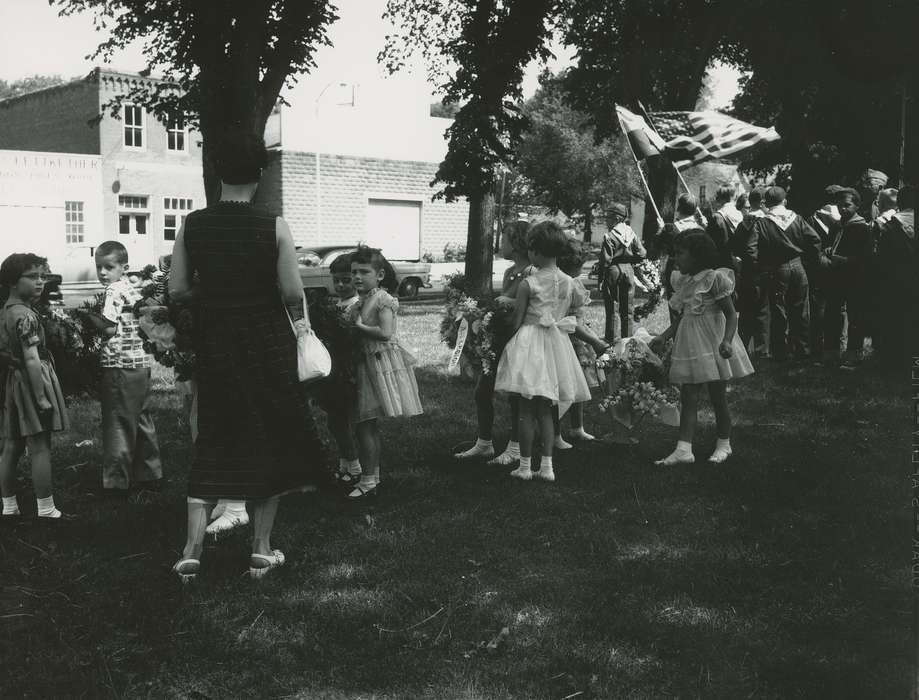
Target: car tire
x=409 y=288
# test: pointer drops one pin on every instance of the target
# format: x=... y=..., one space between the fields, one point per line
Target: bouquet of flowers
x=647 y=273
x=488 y=325
x=637 y=381
x=74 y=342
x=166 y=326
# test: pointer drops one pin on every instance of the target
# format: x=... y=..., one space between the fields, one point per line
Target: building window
x=73 y=221
x=133 y=213
x=175 y=209
x=133 y=126
x=175 y=133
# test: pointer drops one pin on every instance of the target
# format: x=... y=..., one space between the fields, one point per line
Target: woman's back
x=232 y=246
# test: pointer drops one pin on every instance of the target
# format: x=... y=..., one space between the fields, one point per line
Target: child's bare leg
x=198 y=514
x=689 y=404
x=526 y=431
x=717 y=392
x=547 y=419
x=558 y=442
x=9 y=458
x=511 y=453
x=577 y=423
x=485 y=414
x=340 y=427
x=40 y=456
x=368 y=448
x=263 y=514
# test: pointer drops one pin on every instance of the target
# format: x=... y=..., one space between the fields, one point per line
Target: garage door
x=394 y=226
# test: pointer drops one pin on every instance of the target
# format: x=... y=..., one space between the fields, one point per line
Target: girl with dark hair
x=706 y=350
x=386 y=385
x=32 y=402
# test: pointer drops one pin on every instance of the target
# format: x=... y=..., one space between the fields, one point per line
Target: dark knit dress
x=256 y=435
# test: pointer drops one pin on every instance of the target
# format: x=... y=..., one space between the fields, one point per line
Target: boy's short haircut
x=341 y=265
x=113 y=248
x=724 y=194
x=686 y=204
x=756 y=197
x=850 y=193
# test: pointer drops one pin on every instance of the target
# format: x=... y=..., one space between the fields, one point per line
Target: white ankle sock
x=561 y=443
x=46 y=508
x=545 y=462
x=235 y=507
x=10 y=505
x=369 y=480
x=479 y=442
x=354 y=467
x=683 y=447
x=525 y=462
x=513 y=448
x=723 y=444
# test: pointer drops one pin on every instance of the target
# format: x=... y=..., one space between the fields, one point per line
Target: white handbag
x=313 y=360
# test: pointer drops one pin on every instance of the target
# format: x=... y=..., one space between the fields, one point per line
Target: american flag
x=695 y=137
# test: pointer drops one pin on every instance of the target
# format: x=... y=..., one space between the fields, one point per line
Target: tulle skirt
x=386 y=384
x=540 y=361
x=695 y=358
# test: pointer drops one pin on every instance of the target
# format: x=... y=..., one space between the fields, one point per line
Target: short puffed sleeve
x=28 y=330
x=580 y=298
x=677 y=280
x=723 y=283
x=387 y=301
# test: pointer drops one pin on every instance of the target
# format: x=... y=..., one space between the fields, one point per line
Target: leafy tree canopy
x=223 y=63
x=23 y=86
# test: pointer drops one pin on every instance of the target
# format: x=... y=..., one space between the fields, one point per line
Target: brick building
x=360 y=173
x=150 y=172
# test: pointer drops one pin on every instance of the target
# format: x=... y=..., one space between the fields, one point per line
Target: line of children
x=32 y=402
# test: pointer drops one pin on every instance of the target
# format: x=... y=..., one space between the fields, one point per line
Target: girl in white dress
x=706 y=350
x=539 y=363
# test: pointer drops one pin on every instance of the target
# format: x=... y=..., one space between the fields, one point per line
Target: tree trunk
x=479 y=244
x=662 y=180
x=588 y=223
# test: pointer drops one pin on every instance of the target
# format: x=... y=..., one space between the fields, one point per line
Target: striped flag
x=695 y=137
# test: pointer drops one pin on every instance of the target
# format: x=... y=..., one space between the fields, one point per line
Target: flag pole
x=651 y=124
x=660 y=219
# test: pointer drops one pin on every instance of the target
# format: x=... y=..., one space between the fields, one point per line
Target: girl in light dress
x=539 y=363
x=706 y=350
x=31 y=402
x=386 y=384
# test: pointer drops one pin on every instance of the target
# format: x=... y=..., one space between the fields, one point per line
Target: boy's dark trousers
x=131 y=453
x=618 y=297
x=845 y=322
x=753 y=313
x=789 y=309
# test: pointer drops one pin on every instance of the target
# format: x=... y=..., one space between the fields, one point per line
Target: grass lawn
x=783 y=574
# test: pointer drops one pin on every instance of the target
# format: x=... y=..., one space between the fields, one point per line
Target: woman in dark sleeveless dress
x=256 y=436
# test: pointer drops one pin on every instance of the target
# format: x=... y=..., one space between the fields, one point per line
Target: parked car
x=314 y=270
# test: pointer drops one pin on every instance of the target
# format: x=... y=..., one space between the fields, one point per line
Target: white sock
x=370 y=480
x=480 y=448
x=545 y=462
x=683 y=447
x=525 y=462
x=342 y=465
x=46 y=508
x=723 y=444
x=561 y=443
x=10 y=505
x=479 y=442
x=513 y=448
x=235 y=507
x=354 y=466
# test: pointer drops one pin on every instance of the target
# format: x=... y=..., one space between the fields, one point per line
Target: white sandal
x=186 y=577
x=272 y=561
